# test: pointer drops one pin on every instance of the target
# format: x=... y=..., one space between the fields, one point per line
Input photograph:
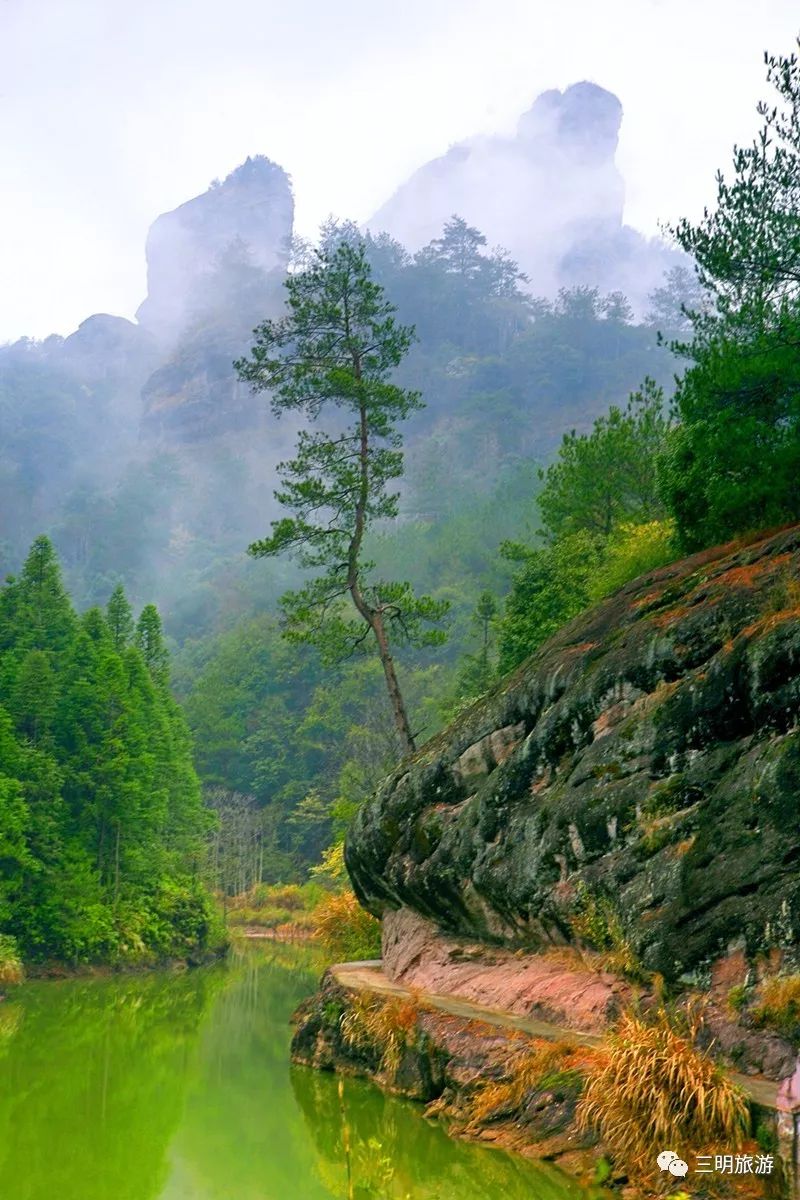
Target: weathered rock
x=251 y=212
x=551 y=194
x=657 y=774
x=548 y=988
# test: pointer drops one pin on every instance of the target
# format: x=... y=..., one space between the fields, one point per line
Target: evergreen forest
x=528 y=457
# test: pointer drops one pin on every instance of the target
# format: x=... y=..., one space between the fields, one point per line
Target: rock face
x=547 y=987
x=216 y=266
x=552 y=195
x=636 y=781
x=251 y=213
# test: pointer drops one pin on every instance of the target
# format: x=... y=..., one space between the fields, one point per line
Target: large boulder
x=642 y=768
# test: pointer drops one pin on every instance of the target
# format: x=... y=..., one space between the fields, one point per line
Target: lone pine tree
x=330 y=358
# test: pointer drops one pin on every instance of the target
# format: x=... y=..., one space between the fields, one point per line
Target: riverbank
x=440 y=1059
x=496 y=1076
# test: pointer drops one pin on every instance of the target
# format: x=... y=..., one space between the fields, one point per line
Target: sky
x=111 y=113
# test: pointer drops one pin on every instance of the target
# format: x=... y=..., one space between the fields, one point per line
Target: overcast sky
x=111 y=113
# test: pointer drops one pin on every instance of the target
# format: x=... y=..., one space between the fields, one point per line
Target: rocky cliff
x=552 y=195
x=635 y=783
x=215 y=269
x=249 y=214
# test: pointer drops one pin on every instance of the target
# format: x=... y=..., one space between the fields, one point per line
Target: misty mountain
x=551 y=195
x=135 y=446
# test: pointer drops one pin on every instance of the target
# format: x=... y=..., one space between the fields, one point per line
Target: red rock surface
x=545 y=986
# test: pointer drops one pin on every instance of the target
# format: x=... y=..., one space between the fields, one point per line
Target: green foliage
x=11 y=970
x=607 y=476
x=102 y=827
x=150 y=642
x=603 y=524
x=336 y=349
x=119 y=616
x=552 y=585
x=631 y=551
x=732 y=463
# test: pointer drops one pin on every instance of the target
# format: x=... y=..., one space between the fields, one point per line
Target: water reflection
x=178 y=1087
x=92 y=1077
x=374 y=1147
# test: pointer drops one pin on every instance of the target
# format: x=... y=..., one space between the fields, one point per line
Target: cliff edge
x=635 y=781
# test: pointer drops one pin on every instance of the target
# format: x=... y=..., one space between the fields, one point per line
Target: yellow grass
x=528 y=1067
x=779 y=1004
x=346 y=930
x=653 y=1088
x=385 y=1025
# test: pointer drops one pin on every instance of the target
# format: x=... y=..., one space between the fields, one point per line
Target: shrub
x=779 y=1005
x=653 y=1088
x=287 y=896
x=345 y=929
x=631 y=551
x=736 y=1000
x=384 y=1025
x=271 y=918
x=529 y=1070
x=11 y=969
x=598 y=925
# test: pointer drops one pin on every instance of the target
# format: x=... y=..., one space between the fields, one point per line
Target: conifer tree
x=120 y=618
x=331 y=357
x=102 y=827
x=150 y=641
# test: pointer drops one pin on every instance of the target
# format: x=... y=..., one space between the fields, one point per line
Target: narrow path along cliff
x=369 y=977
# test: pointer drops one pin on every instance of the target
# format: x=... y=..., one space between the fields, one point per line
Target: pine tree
x=120 y=618
x=102 y=827
x=149 y=640
x=333 y=355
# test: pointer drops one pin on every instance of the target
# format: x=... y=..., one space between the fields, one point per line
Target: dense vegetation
x=734 y=457
x=102 y=827
x=546 y=465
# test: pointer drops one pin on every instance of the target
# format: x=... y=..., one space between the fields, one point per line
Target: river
x=178 y=1086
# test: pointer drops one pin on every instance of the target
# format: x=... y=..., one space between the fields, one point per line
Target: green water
x=179 y=1087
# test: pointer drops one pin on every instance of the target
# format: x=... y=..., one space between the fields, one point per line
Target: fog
x=112 y=114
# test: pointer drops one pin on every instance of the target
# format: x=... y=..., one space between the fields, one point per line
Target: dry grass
x=653 y=1088
x=778 y=1005
x=385 y=1025
x=527 y=1070
x=345 y=929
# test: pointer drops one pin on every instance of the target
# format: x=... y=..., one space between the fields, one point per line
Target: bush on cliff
x=652 y=1089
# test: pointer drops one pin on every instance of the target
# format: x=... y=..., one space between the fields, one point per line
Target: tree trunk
x=392 y=686
x=116 y=868
x=373 y=618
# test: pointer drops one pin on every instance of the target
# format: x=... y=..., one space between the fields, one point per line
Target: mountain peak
x=252 y=208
